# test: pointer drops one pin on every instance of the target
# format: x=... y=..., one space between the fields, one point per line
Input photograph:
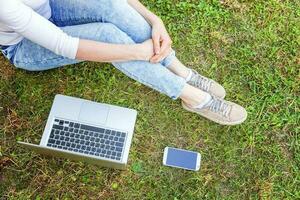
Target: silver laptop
x=87 y=131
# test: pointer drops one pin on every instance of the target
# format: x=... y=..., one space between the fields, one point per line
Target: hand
x=145 y=50
x=161 y=41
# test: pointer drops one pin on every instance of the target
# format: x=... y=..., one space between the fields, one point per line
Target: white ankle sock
x=188 y=78
x=206 y=101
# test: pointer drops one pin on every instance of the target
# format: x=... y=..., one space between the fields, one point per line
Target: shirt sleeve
x=25 y=21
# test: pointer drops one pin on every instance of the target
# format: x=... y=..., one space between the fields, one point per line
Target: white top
x=29 y=19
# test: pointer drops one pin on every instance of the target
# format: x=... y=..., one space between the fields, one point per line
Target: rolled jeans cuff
x=169 y=59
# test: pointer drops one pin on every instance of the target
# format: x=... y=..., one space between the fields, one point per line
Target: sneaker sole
x=212 y=119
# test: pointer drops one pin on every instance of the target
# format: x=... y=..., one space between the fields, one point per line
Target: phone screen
x=181 y=158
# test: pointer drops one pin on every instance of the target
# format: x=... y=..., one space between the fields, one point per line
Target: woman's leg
x=33 y=57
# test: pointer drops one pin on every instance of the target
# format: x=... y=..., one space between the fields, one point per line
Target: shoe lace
x=202 y=82
x=219 y=106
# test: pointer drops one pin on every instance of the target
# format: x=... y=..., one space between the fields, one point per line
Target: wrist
x=137 y=52
x=153 y=19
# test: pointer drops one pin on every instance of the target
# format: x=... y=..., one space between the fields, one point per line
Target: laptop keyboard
x=90 y=140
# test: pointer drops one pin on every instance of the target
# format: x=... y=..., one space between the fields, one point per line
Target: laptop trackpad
x=93 y=113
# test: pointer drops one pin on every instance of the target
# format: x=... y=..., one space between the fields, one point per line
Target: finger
x=155 y=59
x=161 y=56
x=166 y=44
x=156 y=44
x=164 y=51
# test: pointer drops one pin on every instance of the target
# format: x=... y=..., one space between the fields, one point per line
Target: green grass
x=251 y=47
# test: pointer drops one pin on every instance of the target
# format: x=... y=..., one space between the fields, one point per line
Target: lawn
x=252 y=47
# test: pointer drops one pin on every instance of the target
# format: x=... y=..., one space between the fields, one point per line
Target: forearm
x=105 y=52
x=147 y=14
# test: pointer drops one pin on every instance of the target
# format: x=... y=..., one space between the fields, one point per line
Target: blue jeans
x=111 y=21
